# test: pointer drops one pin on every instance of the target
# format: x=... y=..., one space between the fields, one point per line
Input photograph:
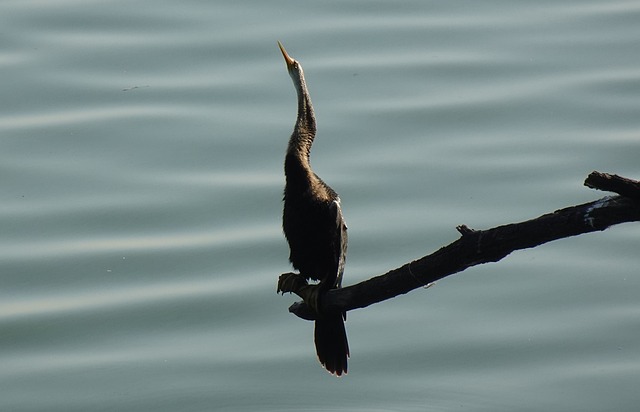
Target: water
x=141 y=161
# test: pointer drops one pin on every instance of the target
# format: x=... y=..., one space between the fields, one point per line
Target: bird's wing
x=340 y=246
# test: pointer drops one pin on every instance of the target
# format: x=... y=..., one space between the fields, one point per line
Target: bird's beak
x=287 y=58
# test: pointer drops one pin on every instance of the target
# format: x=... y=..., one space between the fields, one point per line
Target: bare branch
x=614 y=183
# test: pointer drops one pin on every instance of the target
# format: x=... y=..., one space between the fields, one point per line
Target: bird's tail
x=332 y=346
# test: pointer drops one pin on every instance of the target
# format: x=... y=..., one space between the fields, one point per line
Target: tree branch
x=475 y=247
x=614 y=183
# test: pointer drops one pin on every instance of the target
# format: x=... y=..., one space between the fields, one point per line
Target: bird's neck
x=305 y=129
x=297 y=167
x=306 y=116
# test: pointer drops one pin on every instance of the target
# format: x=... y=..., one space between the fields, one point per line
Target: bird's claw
x=291 y=283
x=296 y=283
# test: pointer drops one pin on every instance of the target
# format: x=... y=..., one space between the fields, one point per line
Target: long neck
x=300 y=176
x=305 y=128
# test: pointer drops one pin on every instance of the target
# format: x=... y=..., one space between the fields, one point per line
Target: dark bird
x=314 y=227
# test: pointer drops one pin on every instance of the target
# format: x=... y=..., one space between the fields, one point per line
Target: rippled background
x=141 y=174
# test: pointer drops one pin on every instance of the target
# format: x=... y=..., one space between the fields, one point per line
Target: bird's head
x=293 y=66
x=306 y=119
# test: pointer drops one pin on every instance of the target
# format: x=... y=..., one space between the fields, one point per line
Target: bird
x=314 y=227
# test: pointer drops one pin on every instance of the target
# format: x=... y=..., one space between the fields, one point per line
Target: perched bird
x=314 y=227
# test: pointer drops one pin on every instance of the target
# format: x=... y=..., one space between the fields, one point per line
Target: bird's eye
x=295 y=65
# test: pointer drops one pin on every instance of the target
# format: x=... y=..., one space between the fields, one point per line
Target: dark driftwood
x=475 y=247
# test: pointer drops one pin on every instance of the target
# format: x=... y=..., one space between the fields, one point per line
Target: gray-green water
x=141 y=178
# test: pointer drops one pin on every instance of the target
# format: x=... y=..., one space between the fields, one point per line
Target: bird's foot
x=291 y=283
x=296 y=283
x=311 y=296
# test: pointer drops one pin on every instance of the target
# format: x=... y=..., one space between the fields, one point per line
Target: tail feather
x=331 y=342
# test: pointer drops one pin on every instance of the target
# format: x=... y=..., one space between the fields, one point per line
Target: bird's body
x=314 y=226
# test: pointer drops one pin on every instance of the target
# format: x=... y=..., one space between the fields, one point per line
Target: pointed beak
x=286 y=56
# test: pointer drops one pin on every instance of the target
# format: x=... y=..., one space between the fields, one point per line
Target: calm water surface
x=142 y=146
